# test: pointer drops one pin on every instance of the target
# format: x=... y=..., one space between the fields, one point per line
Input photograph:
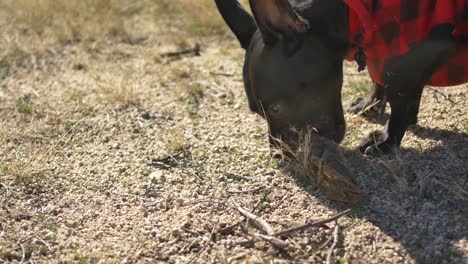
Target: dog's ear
x=277 y=20
x=241 y=23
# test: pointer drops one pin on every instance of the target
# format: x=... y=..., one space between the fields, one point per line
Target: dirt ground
x=112 y=152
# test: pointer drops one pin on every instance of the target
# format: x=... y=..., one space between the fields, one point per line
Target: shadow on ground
x=414 y=199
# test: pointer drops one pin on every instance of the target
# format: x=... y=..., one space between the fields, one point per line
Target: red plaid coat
x=388 y=28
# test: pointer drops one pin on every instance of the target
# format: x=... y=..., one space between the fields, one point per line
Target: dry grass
x=86 y=108
x=52 y=21
x=402 y=174
x=175 y=141
x=68 y=21
x=32 y=26
x=192 y=17
x=122 y=95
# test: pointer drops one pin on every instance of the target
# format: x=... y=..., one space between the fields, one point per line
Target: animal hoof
x=355 y=107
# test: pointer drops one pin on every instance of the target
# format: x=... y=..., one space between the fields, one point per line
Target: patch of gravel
x=132 y=159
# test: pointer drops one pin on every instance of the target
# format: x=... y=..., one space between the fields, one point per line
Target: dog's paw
x=363 y=106
x=376 y=144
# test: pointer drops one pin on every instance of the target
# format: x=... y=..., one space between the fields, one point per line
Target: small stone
x=146 y=116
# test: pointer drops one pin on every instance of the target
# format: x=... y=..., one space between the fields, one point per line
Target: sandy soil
x=115 y=154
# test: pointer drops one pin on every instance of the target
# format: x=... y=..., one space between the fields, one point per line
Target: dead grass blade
x=196 y=50
x=253 y=190
x=438 y=91
x=293 y=230
x=259 y=222
x=367 y=108
x=278 y=243
x=458 y=191
x=335 y=243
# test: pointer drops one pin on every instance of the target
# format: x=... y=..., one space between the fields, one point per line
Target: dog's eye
x=275 y=109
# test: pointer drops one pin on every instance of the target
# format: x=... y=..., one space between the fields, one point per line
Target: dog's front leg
x=405 y=77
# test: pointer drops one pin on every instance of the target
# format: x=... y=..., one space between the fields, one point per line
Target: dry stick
x=23 y=254
x=351 y=226
x=298 y=246
x=223 y=74
x=293 y=230
x=185 y=170
x=335 y=242
x=168 y=157
x=242 y=218
x=198 y=253
x=458 y=191
x=256 y=189
x=326 y=243
x=262 y=224
x=195 y=50
x=7 y=193
x=232 y=175
x=438 y=91
x=272 y=240
x=276 y=242
x=205 y=201
x=45 y=243
x=367 y=108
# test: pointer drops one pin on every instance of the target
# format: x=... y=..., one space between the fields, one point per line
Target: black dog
x=293 y=70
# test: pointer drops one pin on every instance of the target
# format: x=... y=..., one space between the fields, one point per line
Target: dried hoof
x=332 y=175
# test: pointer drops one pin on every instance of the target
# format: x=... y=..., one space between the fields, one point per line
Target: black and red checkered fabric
x=388 y=28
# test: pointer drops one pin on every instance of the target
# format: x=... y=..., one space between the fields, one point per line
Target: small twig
x=198 y=253
x=187 y=170
x=28 y=238
x=170 y=161
x=352 y=225
x=278 y=243
x=195 y=233
x=166 y=161
x=247 y=243
x=45 y=243
x=231 y=227
x=335 y=243
x=213 y=233
x=458 y=191
x=223 y=74
x=326 y=243
x=262 y=224
x=253 y=190
x=367 y=108
x=438 y=91
x=24 y=253
x=195 y=51
x=293 y=230
x=235 y=176
x=7 y=193
x=299 y=247
x=205 y=201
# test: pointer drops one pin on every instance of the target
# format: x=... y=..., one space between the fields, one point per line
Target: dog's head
x=292 y=71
